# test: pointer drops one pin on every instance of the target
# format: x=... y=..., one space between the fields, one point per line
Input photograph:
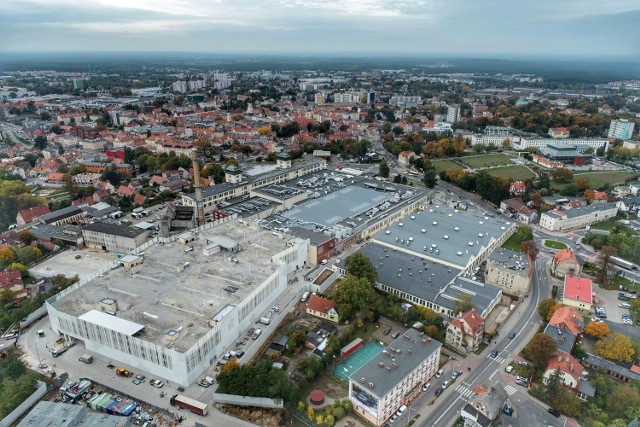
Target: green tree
x=383 y=170
x=40 y=142
x=562 y=175
x=24 y=273
x=352 y=295
x=545 y=306
x=566 y=402
x=616 y=347
x=329 y=420
x=26 y=237
x=7 y=255
x=429 y=177
x=28 y=254
x=554 y=383
x=605 y=271
x=540 y=349
x=621 y=398
x=463 y=303
x=359 y=265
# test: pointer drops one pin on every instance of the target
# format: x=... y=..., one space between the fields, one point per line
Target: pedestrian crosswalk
x=510 y=390
x=500 y=359
x=467 y=392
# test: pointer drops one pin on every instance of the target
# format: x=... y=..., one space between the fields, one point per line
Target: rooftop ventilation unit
x=459 y=253
x=450 y=214
x=400 y=224
x=456 y=228
x=481 y=222
x=435 y=222
x=423 y=230
x=446 y=237
x=387 y=232
x=411 y=239
x=413 y=217
x=480 y=235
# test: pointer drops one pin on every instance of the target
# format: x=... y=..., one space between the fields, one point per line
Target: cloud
x=281 y=26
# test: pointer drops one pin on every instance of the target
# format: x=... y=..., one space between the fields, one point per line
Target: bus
x=624 y=263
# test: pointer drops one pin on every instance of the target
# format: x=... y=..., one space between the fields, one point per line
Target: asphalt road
x=485 y=369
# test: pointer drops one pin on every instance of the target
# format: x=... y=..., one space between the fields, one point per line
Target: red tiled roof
x=320 y=304
x=567 y=316
x=577 y=288
x=473 y=319
x=564 y=255
x=10 y=277
x=568 y=364
x=35 y=212
x=125 y=191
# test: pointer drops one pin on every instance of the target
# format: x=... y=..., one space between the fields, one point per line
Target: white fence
x=24 y=406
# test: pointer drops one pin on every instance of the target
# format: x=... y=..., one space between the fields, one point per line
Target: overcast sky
x=441 y=27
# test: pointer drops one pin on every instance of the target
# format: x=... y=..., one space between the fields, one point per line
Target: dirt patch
x=258 y=416
x=332 y=387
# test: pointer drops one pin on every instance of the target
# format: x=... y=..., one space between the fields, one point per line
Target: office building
x=119 y=239
x=394 y=377
x=453 y=113
x=621 y=129
x=562 y=220
x=509 y=271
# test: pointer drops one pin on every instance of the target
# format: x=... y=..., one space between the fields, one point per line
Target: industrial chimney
x=198 y=186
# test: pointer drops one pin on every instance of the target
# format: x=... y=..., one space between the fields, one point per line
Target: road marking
x=494 y=372
x=510 y=390
x=447 y=410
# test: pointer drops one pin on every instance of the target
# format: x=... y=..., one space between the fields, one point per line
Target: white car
x=426 y=387
x=445 y=384
x=156 y=383
x=393 y=418
x=275 y=309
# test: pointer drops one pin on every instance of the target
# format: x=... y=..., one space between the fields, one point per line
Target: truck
x=138 y=210
x=256 y=334
x=116 y=214
x=86 y=358
x=123 y=372
x=264 y=320
x=59 y=346
x=189 y=404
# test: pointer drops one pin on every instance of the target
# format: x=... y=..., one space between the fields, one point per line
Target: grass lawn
x=486 y=160
x=553 y=244
x=515 y=172
x=445 y=165
x=598 y=179
x=513 y=243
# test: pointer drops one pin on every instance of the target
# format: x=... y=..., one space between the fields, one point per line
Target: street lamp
x=409 y=409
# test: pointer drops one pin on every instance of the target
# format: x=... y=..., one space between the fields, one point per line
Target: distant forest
x=580 y=71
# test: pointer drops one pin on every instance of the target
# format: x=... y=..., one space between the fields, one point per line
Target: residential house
x=600 y=197
x=612 y=369
x=465 y=332
x=124 y=190
x=577 y=293
x=322 y=308
x=405 y=157
x=175 y=185
x=10 y=279
x=629 y=204
x=68 y=215
x=26 y=216
x=518 y=210
x=569 y=368
x=518 y=188
x=568 y=319
x=157 y=180
x=565 y=262
x=483 y=406
x=100 y=196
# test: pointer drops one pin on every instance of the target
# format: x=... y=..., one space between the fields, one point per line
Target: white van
x=305 y=297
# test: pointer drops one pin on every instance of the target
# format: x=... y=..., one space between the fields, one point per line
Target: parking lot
x=609 y=300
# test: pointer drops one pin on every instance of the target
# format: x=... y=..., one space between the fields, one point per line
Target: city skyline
x=368 y=27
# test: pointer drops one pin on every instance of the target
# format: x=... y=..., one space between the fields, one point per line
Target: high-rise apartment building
x=453 y=113
x=621 y=129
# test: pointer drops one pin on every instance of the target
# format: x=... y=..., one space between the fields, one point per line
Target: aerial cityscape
x=357 y=213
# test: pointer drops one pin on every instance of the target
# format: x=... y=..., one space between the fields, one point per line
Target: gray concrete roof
x=384 y=380
x=50 y=414
x=428 y=228
x=515 y=261
x=563 y=338
x=424 y=278
x=115 y=230
x=335 y=207
x=583 y=210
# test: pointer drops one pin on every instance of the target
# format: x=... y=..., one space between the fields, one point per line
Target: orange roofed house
x=25 y=216
x=565 y=262
x=465 y=331
x=322 y=308
x=577 y=292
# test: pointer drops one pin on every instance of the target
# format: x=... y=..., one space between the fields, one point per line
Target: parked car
x=512 y=335
x=439 y=391
x=554 y=412
x=386 y=331
x=426 y=387
x=156 y=383
x=393 y=418
x=445 y=384
x=508 y=369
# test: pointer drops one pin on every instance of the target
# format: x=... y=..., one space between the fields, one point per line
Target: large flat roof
x=401 y=357
x=162 y=299
x=337 y=206
x=425 y=278
x=113 y=229
x=444 y=234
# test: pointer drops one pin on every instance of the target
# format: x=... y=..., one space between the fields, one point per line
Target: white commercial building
x=394 y=377
x=177 y=311
x=524 y=143
x=556 y=220
x=621 y=129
